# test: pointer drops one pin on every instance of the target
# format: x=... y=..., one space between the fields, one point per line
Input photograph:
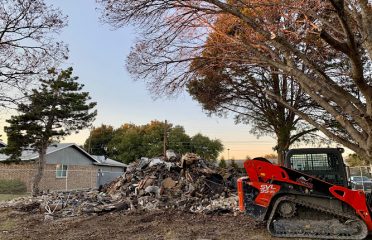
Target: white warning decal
x=268 y=188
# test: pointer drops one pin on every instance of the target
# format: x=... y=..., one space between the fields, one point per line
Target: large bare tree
x=243 y=96
x=325 y=46
x=234 y=87
x=27 y=45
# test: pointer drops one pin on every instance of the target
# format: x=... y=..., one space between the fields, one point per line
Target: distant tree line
x=130 y=142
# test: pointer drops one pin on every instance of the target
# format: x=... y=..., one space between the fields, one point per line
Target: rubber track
x=337 y=214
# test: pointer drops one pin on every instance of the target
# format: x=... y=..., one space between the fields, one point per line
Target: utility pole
x=165 y=140
x=228 y=153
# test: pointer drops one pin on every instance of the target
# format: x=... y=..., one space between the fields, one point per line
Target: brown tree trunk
x=283 y=143
x=281 y=155
x=39 y=173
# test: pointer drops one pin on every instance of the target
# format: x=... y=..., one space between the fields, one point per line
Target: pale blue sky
x=98 y=53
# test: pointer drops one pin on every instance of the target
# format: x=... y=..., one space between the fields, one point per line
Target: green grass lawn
x=7 y=197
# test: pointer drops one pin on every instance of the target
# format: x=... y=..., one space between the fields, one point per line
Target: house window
x=61 y=171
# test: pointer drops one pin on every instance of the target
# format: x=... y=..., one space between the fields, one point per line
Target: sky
x=98 y=53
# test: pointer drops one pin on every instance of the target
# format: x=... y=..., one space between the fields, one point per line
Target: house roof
x=104 y=161
x=29 y=155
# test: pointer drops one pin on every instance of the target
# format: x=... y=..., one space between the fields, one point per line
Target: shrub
x=222 y=163
x=14 y=186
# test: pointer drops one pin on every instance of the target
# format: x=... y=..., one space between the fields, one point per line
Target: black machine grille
x=322 y=165
x=314 y=162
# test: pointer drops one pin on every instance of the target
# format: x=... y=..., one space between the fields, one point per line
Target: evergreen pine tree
x=233 y=164
x=54 y=110
x=222 y=163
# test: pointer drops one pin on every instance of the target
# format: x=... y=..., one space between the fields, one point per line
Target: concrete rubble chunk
x=48 y=218
x=143 y=162
x=189 y=184
x=157 y=161
x=169 y=183
x=189 y=159
x=153 y=189
x=171 y=156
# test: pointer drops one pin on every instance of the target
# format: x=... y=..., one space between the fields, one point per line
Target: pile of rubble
x=188 y=184
x=65 y=204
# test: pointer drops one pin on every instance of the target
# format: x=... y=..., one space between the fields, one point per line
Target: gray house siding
x=108 y=173
x=68 y=156
x=111 y=168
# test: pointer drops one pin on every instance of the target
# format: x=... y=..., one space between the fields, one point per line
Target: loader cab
x=323 y=163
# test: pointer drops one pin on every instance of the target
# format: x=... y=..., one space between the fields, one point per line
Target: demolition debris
x=189 y=184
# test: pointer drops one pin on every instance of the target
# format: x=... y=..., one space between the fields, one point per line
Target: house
x=68 y=167
x=109 y=169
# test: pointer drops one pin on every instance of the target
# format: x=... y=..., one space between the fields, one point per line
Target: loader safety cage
x=324 y=163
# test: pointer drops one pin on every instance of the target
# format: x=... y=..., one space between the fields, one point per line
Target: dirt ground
x=168 y=224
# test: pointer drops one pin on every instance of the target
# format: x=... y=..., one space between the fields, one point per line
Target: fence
x=360 y=178
x=62 y=180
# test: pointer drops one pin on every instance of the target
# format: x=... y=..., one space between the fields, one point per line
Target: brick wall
x=78 y=177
